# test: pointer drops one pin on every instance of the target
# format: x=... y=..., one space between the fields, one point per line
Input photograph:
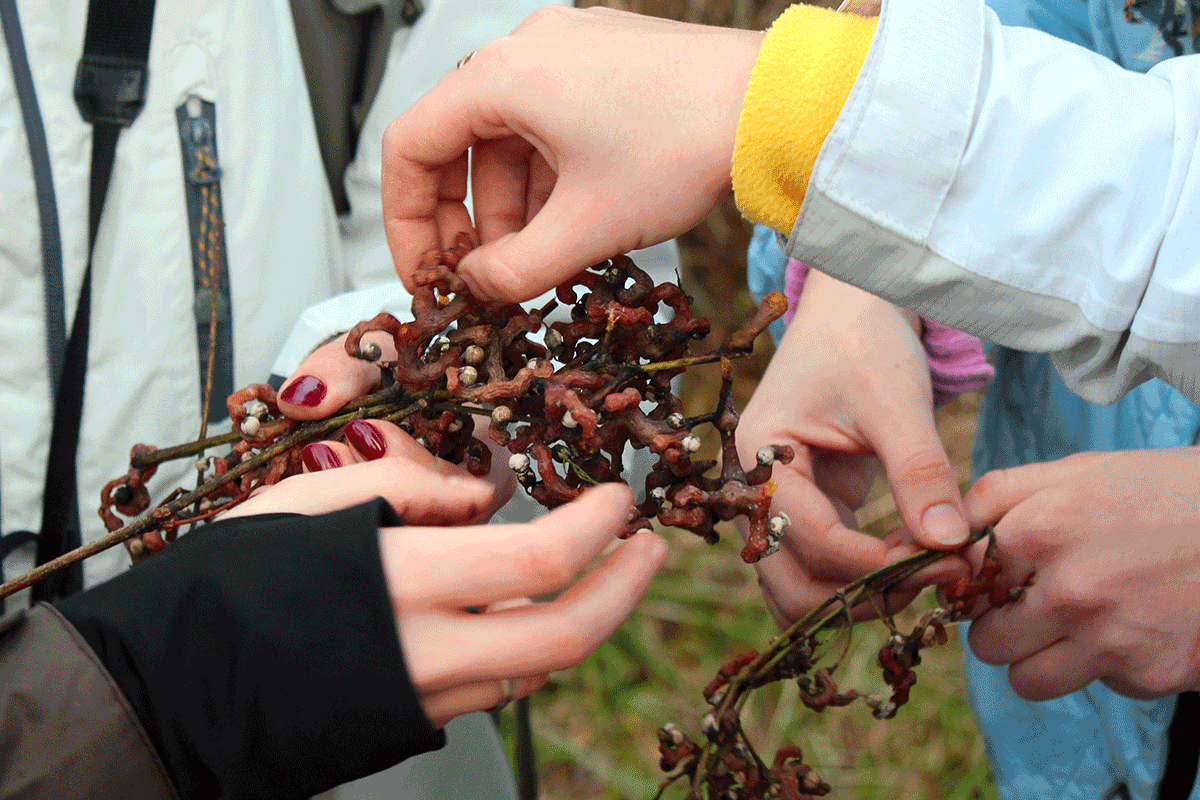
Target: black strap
x=527 y=778
x=110 y=90
x=1183 y=749
x=47 y=207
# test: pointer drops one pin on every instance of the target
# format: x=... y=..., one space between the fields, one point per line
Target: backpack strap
x=110 y=91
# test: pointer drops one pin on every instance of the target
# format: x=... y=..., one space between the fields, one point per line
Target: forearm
x=1074 y=241
x=261 y=655
x=821 y=290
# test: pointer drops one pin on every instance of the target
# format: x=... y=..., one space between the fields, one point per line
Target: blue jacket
x=1090 y=743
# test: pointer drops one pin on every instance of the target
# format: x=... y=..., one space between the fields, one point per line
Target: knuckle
x=926 y=466
x=1073 y=592
x=1158 y=680
x=990 y=486
x=390 y=473
x=547 y=15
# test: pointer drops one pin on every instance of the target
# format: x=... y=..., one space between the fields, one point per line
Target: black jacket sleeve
x=261 y=655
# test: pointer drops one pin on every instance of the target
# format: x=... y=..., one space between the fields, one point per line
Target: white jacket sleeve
x=1020 y=188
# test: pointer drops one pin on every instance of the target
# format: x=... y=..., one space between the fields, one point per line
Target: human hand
x=849 y=390
x=329 y=378
x=1111 y=545
x=592 y=132
x=460 y=661
x=495 y=567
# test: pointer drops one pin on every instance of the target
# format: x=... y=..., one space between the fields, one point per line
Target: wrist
x=261 y=654
x=806 y=67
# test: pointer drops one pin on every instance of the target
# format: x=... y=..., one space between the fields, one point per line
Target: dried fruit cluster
x=566 y=398
x=723 y=764
x=568 y=406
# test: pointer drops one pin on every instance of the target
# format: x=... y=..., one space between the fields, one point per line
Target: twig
x=155 y=517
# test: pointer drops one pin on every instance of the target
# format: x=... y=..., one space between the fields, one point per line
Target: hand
x=457 y=660
x=329 y=378
x=1111 y=542
x=849 y=390
x=591 y=133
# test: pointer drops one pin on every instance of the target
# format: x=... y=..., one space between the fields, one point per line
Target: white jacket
x=1020 y=188
x=287 y=248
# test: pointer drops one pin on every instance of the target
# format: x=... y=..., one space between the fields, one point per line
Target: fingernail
x=307 y=391
x=319 y=456
x=659 y=550
x=364 y=438
x=943 y=524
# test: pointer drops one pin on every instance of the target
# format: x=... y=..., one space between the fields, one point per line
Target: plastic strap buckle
x=110 y=89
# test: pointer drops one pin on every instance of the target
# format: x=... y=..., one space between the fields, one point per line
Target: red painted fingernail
x=306 y=391
x=364 y=438
x=319 y=456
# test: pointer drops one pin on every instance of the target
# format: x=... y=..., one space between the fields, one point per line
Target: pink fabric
x=956 y=360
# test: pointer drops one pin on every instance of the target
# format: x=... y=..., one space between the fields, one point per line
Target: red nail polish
x=364 y=438
x=306 y=391
x=319 y=456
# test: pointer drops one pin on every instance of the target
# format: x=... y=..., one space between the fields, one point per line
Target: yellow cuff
x=805 y=70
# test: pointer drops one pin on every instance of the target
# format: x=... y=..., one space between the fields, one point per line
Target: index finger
x=500 y=562
x=425 y=167
x=1000 y=491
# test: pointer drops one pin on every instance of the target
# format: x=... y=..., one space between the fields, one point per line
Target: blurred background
x=594 y=726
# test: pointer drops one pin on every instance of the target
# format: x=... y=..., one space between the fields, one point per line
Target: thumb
x=329 y=378
x=571 y=232
x=923 y=480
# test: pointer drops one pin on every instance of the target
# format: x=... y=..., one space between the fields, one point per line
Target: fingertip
x=303 y=393
x=366 y=439
x=942 y=527
x=609 y=495
x=654 y=545
x=320 y=456
x=476 y=492
x=490 y=276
